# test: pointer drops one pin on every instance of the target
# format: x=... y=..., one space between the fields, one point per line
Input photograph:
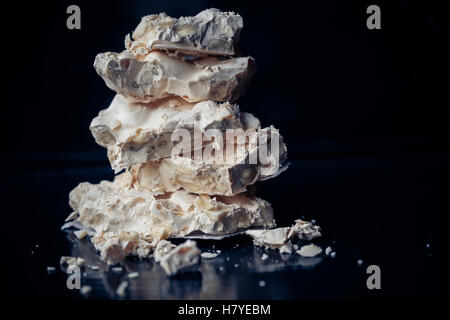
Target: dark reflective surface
x=217 y=278
x=385 y=210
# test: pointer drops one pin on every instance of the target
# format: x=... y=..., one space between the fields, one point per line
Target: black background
x=365 y=114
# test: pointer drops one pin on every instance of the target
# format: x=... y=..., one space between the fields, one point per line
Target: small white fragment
x=185 y=257
x=51 y=269
x=310 y=250
x=218 y=251
x=117 y=269
x=133 y=275
x=264 y=257
x=121 y=288
x=286 y=248
x=359 y=262
x=85 y=290
x=80 y=234
x=236 y=265
x=95 y=268
x=71 y=216
x=209 y=255
x=262 y=283
x=328 y=251
x=221 y=268
x=71 y=262
x=333 y=254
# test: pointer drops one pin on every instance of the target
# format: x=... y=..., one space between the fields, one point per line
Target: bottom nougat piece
x=126 y=221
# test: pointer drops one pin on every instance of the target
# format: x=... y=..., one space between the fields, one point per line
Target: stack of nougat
x=175 y=75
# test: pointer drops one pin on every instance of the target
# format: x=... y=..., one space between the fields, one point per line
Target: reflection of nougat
x=207 y=175
x=126 y=221
x=211 y=32
x=136 y=133
x=158 y=75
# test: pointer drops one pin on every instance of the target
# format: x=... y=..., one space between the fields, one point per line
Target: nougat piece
x=309 y=250
x=71 y=262
x=280 y=238
x=162 y=248
x=136 y=132
x=210 y=32
x=127 y=221
x=210 y=175
x=272 y=238
x=182 y=258
x=305 y=230
x=157 y=75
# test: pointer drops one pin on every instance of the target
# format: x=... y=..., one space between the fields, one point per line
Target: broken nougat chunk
x=280 y=238
x=210 y=32
x=209 y=176
x=157 y=75
x=162 y=248
x=182 y=258
x=127 y=221
x=136 y=133
x=273 y=238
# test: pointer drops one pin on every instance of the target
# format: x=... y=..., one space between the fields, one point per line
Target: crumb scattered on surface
x=50 y=269
x=85 y=290
x=121 y=288
x=309 y=250
x=209 y=255
x=80 y=234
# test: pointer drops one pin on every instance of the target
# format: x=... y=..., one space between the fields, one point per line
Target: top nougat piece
x=211 y=32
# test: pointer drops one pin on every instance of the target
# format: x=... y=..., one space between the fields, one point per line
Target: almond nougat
x=210 y=176
x=176 y=80
x=157 y=75
x=211 y=32
x=124 y=221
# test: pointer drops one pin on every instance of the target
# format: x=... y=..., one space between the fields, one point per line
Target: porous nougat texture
x=156 y=75
x=136 y=132
x=210 y=32
x=280 y=238
x=127 y=221
x=210 y=175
